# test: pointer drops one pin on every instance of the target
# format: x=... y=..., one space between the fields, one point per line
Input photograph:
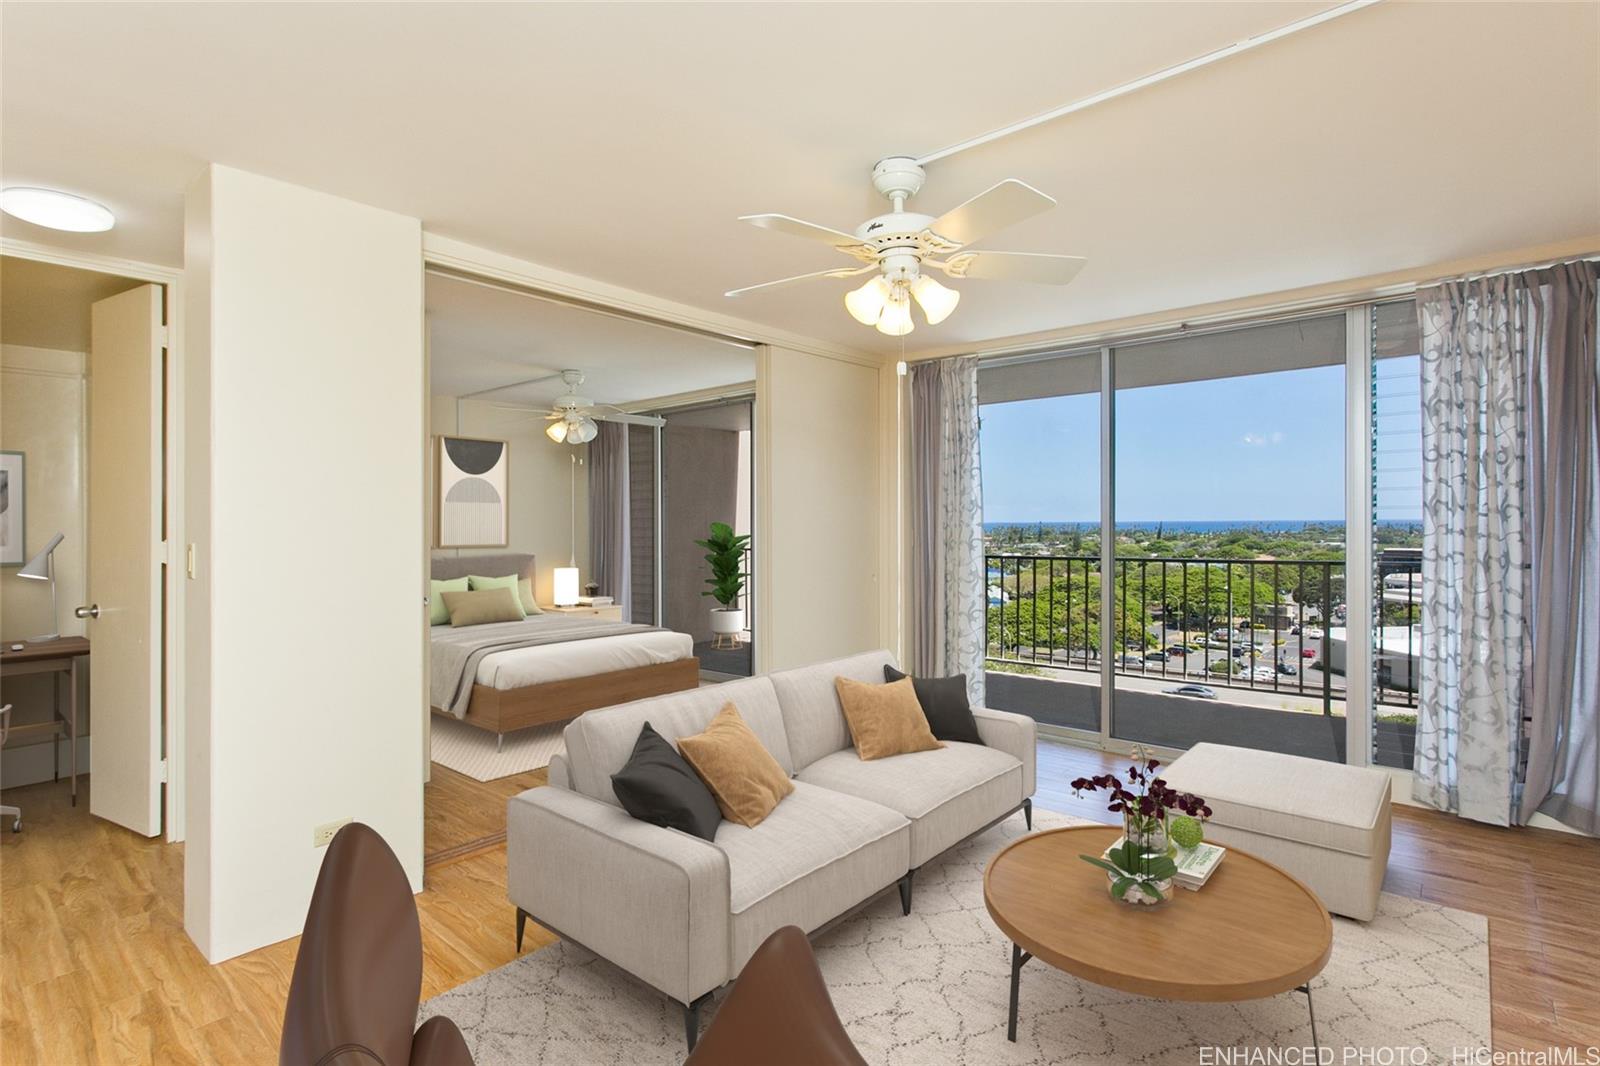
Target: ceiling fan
x=570 y=418
x=895 y=247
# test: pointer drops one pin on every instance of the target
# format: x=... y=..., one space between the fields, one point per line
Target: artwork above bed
x=471 y=482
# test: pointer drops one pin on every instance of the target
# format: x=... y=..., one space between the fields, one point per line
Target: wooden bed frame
x=505 y=711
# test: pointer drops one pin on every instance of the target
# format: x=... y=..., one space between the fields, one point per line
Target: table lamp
x=42 y=567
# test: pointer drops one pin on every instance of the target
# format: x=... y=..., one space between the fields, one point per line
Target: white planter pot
x=725 y=620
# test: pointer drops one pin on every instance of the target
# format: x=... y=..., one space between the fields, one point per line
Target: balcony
x=1257 y=643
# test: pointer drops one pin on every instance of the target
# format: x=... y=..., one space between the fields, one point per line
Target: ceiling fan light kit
x=896 y=246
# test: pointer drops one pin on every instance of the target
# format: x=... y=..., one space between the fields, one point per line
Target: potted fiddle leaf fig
x=725 y=552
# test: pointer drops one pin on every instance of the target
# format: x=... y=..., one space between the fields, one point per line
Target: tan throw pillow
x=884 y=720
x=482 y=607
x=743 y=777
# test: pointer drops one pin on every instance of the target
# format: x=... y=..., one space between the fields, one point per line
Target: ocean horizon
x=1271 y=525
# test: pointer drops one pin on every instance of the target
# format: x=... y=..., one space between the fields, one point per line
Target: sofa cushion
x=599 y=742
x=817 y=854
x=745 y=779
x=884 y=719
x=812 y=717
x=658 y=786
x=1324 y=804
x=948 y=794
x=944 y=704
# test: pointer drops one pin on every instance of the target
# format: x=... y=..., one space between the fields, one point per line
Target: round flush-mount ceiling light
x=56 y=210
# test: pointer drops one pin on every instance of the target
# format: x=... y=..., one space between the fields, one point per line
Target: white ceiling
x=43 y=305
x=620 y=141
x=483 y=338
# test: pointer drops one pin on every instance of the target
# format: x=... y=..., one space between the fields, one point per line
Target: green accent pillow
x=478 y=584
x=529 y=604
x=438 y=613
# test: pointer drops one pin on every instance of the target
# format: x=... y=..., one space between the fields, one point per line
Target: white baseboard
x=30 y=764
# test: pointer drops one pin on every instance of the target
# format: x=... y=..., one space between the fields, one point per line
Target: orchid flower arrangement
x=1143 y=862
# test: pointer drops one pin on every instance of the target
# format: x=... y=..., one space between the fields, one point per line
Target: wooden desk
x=56 y=657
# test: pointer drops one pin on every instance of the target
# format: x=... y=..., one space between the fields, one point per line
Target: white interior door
x=125 y=545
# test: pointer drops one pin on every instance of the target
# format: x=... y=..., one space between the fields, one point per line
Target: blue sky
x=1253 y=448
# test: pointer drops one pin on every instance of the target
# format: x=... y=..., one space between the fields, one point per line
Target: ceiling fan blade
x=842 y=272
x=1014 y=266
x=845 y=242
x=990 y=211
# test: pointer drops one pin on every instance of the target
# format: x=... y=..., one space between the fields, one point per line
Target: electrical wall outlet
x=322 y=835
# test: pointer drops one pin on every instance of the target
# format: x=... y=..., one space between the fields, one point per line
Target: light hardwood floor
x=95 y=966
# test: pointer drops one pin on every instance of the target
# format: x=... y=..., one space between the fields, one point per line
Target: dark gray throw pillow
x=657 y=785
x=944 y=704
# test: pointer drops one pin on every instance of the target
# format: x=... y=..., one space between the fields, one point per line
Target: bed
x=550 y=668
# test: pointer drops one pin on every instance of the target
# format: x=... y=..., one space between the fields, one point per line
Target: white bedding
x=520 y=667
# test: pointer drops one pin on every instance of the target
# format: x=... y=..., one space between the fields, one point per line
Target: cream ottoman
x=1323 y=822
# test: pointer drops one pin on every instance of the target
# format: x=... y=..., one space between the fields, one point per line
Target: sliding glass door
x=1040 y=445
x=1211 y=537
x=1229 y=539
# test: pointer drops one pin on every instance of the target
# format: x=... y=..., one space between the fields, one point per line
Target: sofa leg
x=522 y=922
x=1027 y=812
x=691 y=1021
x=905 y=891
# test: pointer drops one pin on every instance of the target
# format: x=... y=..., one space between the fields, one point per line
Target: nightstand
x=609 y=613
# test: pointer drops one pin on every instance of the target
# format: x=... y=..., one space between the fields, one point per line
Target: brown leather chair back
x=778 y=1014
x=358 y=974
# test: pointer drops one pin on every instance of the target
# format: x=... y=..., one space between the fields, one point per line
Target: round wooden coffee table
x=1253 y=931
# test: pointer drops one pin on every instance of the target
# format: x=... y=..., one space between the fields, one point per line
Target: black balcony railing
x=1255 y=624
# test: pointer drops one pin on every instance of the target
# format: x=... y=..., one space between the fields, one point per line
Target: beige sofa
x=683 y=914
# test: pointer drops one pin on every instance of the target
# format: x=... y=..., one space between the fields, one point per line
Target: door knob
x=91 y=611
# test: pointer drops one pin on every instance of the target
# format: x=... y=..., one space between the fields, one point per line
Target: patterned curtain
x=1475 y=337
x=946 y=632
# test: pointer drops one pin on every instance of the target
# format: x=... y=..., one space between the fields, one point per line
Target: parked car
x=1177 y=649
x=1287 y=668
x=1262 y=674
x=1156 y=657
x=1308 y=653
x=1131 y=661
x=1199 y=692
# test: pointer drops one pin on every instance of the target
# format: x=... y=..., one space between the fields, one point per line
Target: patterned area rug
x=471 y=751
x=931 y=988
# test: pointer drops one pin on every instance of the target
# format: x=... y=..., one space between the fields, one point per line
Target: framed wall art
x=471 y=478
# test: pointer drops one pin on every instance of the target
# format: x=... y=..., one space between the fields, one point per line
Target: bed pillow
x=479 y=584
x=657 y=786
x=482 y=607
x=884 y=720
x=438 y=613
x=525 y=590
x=944 y=704
x=744 y=778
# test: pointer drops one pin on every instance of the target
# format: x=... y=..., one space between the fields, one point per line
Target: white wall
x=307 y=409
x=539 y=485
x=42 y=397
x=819 y=505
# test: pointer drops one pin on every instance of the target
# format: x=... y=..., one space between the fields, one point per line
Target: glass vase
x=1149 y=837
